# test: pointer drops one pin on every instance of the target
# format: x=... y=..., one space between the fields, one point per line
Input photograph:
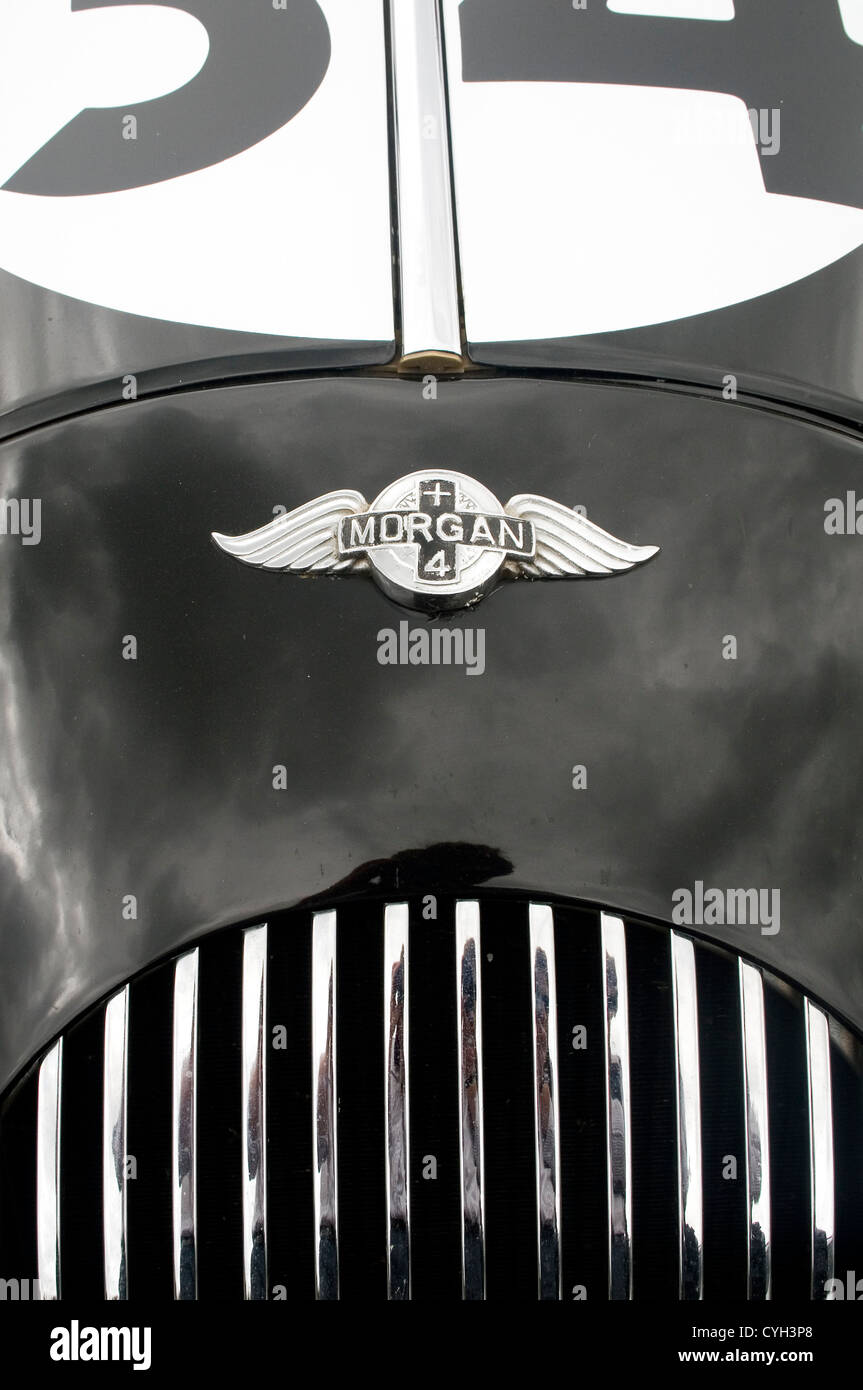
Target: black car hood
x=153 y=779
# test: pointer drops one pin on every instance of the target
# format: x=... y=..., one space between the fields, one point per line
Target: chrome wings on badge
x=436 y=540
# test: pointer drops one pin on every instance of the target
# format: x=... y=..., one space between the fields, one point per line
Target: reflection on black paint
x=155 y=777
x=448 y=866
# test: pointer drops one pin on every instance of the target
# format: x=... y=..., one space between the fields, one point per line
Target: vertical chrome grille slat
x=688 y=1092
x=427 y=257
x=114 y=1107
x=324 y=1105
x=254 y=1113
x=617 y=1106
x=757 y=1132
x=469 y=996
x=48 y=1139
x=821 y=1171
x=546 y=1105
x=184 y=1126
x=397 y=1157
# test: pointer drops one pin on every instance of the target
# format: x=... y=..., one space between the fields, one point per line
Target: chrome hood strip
x=617 y=1106
x=546 y=1102
x=114 y=1103
x=688 y=1092
x=254 y=1114
x=325 y=1105
x=184 y=1125
x=427 y=255
x=469 y=994
x=757 y=1129
x=48 y=1172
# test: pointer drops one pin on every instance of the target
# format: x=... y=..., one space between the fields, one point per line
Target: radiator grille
x=467 y=1098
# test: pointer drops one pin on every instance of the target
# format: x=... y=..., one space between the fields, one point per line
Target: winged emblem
x=568 y=546
x=436 y=540
x=302 y=540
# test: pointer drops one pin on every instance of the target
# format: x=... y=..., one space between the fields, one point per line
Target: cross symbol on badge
x=438 y=544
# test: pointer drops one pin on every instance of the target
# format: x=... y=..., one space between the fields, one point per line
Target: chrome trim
x=254 y=1116
x=114 y=1102
x=469 y=994
x=546 y=1103
x=396 y=1052
x=427 y=256
x=48 y=1107
x=757 y=1129
x=324 y=1105
x=821 y=1172
x=688 y=1092
x=184 y=1126
x=617 y=1106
